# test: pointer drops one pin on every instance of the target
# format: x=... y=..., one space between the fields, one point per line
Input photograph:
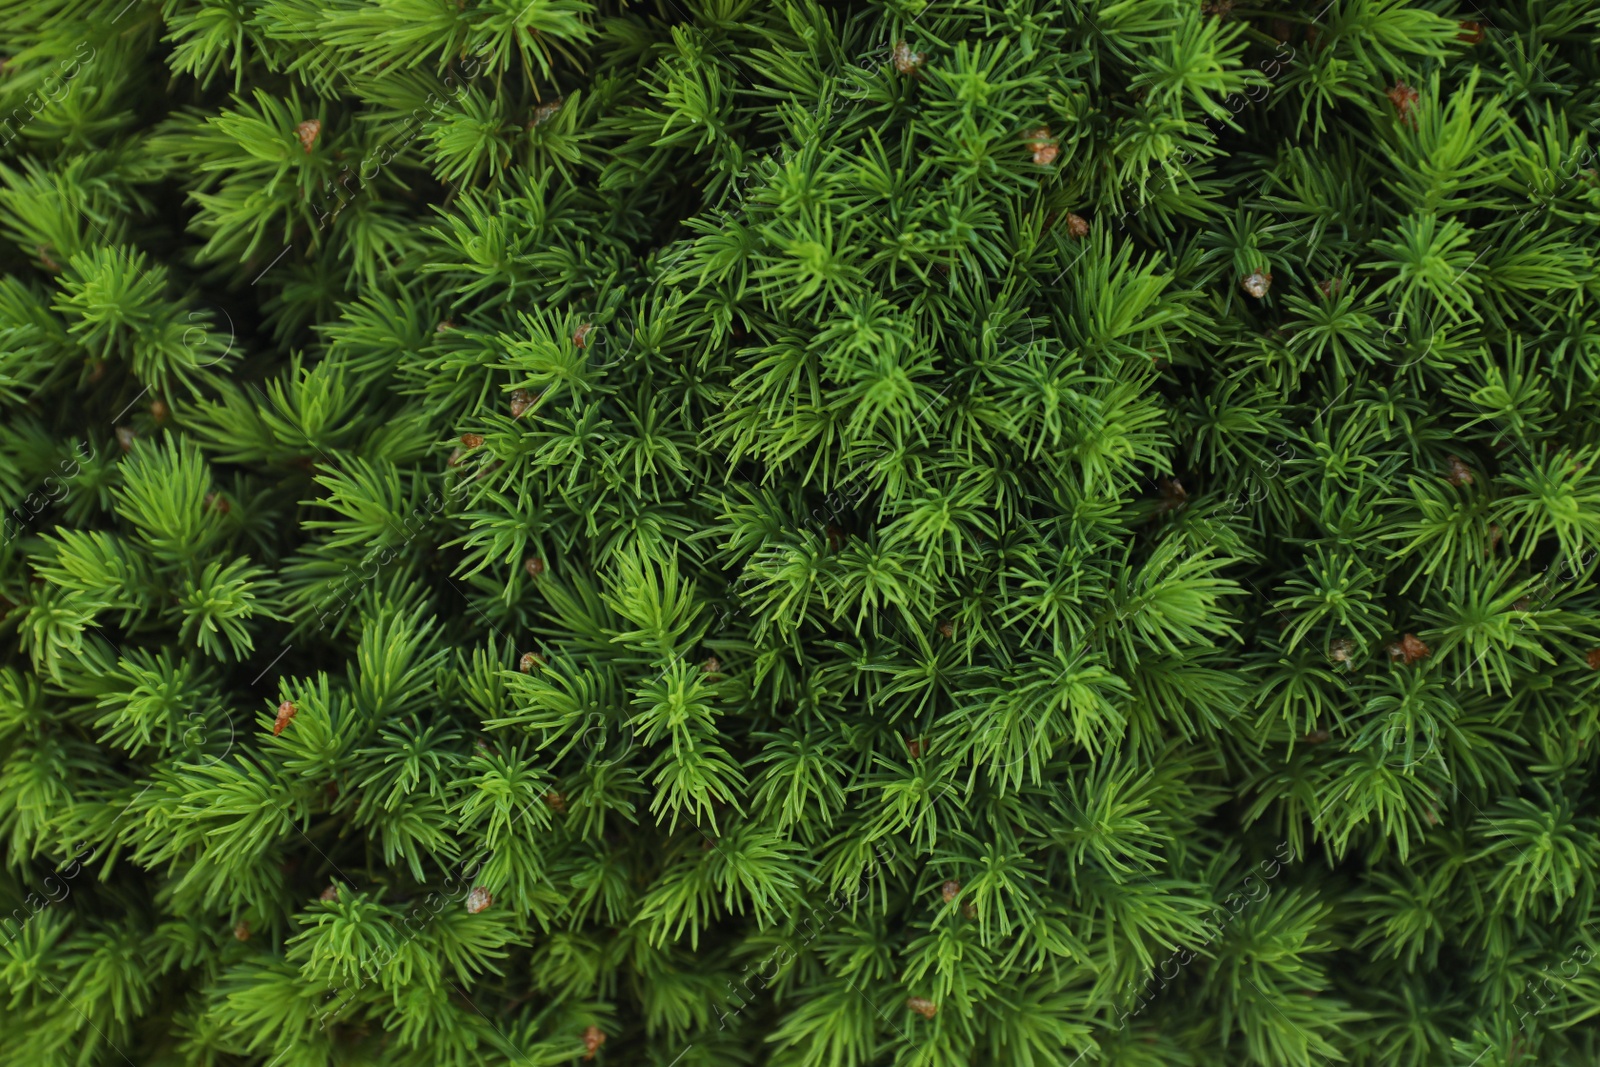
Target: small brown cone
x=308 y=132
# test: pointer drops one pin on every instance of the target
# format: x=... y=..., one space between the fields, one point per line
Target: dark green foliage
x=821 y=534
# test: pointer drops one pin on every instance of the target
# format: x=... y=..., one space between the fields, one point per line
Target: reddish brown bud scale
x=286 y=713
x=905 y=60
x=923 y=1006
x=308 y=132
x=593 y=1038
x=1404 y=98
x=1409 y=649
x=478 y=900
x=1045 y=150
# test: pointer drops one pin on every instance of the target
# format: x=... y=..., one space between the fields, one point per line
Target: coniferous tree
x=723 y=532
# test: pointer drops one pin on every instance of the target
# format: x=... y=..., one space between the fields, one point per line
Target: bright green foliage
x=915 y=532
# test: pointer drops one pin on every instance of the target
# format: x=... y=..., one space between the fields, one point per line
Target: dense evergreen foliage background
x=722 y=532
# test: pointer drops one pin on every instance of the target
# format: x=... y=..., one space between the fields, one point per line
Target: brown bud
x=1256 y=283
x=446 y=325
x=923 y=1007
x=1404 y=98
x=286 y=713
x=478 y=900
x=543 y=112
x=218 y=503
x=241 y=931
x=947 y=629
x=521 y=401
x=126 y=437
x=308 y=132
x=159 y=410
x=557 y=802
x=43 y=252
x=949 y=890
x=1471 y=33
x=905 y=60
x=1341 y=649
x=580 y=336
x=529 y=661
x=1459 y=474
x=469 y=441
x=534 y=566
x=593 y=1038
x=1593 y=659
x=1409 y=649
x=1044 y=149
x=1317 y=737
x=330 y=894
x=1330 y=287
x=712 y=667
x=1173 y=495
x=1523 y=603
x=915 y=747
x=1077 y=226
